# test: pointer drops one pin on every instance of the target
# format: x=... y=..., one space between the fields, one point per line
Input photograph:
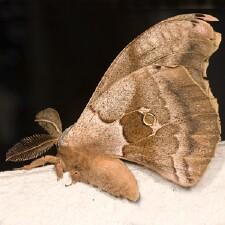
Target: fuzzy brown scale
x=100 y=170
x=135 y=130
x=153 y=107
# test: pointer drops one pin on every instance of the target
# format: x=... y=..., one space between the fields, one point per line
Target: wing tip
x=190 y=16
x=206 y=17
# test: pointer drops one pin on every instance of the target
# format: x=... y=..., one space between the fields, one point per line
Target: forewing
x=49 y=119
x=30 y=147
x=186 y=40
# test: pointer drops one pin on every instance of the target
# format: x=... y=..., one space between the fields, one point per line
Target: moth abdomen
x=113 y=176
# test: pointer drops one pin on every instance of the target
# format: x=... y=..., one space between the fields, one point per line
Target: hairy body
x=103 y=171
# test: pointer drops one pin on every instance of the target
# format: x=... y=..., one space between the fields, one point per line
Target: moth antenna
x=31 y=147
x=49 y=119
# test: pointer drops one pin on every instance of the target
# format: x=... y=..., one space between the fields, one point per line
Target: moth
x=153 y=107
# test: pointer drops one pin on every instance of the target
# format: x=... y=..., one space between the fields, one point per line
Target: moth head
x=37 y=144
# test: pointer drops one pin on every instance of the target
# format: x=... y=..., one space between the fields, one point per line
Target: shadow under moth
x=152 y=107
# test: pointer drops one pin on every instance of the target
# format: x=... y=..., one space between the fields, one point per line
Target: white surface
x=36 y=198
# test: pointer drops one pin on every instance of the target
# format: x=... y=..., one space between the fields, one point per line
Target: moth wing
x=161 y=118
x=186 y=40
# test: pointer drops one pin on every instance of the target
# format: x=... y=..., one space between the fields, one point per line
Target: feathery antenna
x=30 y=147
x=36 y=145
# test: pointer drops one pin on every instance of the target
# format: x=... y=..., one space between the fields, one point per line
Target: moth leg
x=59 y=168
x=75 y=176
x=59 y=165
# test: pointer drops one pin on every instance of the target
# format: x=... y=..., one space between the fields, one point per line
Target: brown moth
x=152 y=107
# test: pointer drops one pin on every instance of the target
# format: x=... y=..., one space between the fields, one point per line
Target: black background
x=54 y=53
